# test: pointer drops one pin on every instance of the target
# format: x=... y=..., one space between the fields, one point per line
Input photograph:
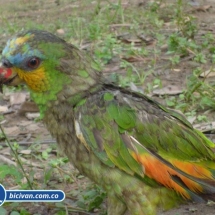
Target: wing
x=137 y=135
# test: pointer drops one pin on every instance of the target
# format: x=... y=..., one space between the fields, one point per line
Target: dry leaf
x=124 y=40
x=133 y=59
x=120 y=25
x=14 y=130
x=194 y=2
x=205 y=127
x=210 y=203
x=191 y=119
x=146 y=39
x=28 y=107
x=33 y=127
x=207 y=73
x=203 y=8
x=24 y=123
x=31 y=163
x=5 y=151
x=168 y=90
x=164 y=47
x=6 y=160
x=17 y=98
x=111 y=69
x=3 y=109
x=25 y=152
x=60 y=31
x=193 y=209
x=177 y=70
x=135 y=88
x=32 y=116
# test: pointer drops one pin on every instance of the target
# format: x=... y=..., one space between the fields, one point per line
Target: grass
x=140 y=41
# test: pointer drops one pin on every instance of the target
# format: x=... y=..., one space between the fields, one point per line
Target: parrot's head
x=47 y=65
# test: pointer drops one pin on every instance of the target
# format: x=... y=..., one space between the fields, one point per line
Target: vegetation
x=137 y=45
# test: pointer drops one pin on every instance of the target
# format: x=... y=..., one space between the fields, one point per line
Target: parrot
x=145 y=156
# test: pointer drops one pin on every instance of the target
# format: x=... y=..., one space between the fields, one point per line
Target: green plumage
x=120 y=139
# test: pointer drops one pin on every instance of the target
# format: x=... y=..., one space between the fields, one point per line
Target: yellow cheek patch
x=36 y=80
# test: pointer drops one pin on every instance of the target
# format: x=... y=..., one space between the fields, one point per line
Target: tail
x=192 y=180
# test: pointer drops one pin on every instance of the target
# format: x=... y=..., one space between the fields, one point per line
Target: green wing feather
x=97 y=122
x=111 y=118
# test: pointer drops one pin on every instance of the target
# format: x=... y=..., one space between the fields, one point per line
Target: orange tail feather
x=163 y=174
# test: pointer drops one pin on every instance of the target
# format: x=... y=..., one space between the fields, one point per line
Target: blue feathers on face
x=16 y=53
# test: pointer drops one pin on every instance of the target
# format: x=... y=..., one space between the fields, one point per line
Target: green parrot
x=145 y=156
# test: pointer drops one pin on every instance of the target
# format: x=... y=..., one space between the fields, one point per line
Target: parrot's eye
x=33 y=62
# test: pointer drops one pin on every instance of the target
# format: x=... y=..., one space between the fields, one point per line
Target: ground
x=131 y=39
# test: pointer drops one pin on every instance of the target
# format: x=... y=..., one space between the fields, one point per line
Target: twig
x=7 y=161
x=31 y=164
x=70 y=208
x=16 y=156
x=66 y=209
x=63 y=171
x=30 y=142
x=190 y=51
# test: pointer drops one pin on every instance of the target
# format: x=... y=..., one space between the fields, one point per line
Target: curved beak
x=8 y=76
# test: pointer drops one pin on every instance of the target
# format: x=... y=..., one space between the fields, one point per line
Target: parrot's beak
x=8 y=76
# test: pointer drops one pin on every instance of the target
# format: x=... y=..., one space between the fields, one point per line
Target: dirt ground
x=19 y=116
